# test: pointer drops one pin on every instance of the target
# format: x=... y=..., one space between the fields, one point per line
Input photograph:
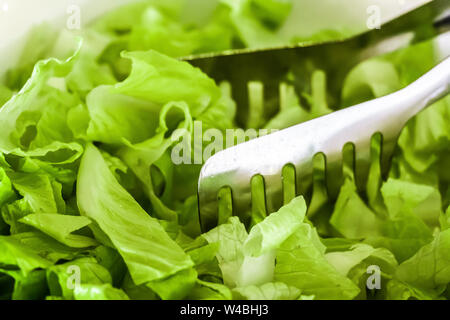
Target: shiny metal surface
x=297 y=145
x=302 y=22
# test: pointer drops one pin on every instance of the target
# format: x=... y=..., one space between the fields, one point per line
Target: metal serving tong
x=296 y=146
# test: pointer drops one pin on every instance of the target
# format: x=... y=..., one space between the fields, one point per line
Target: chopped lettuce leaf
x=267 y=291
x=267 y=235
x=351 y=216
x=138 y=237
x=60 y=227
x=63 y=279
x=99 y=292
x=301 y=263
x=429 y=268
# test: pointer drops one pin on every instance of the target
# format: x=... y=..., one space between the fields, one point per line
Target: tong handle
x=268 y=155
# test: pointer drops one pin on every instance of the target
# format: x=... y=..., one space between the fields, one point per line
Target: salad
x=93 y=207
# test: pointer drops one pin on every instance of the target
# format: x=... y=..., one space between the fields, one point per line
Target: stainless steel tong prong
x=268 y=155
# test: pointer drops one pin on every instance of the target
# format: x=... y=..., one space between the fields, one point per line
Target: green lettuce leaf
x=230 y=238
x=175 y=287
x=268 y=235
x=256 y=20
x=63 y=279
x=356 y=264
x=33 y=250
x=99 y=292
x=397 y=290
x=139 y=238
x=40 y=194
x=210 y=291
x=301 y=263
x=351 y=216
x=429 y=268
x=267 y=291
x=60 y=227
x=34 y=121
x=409 y=206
